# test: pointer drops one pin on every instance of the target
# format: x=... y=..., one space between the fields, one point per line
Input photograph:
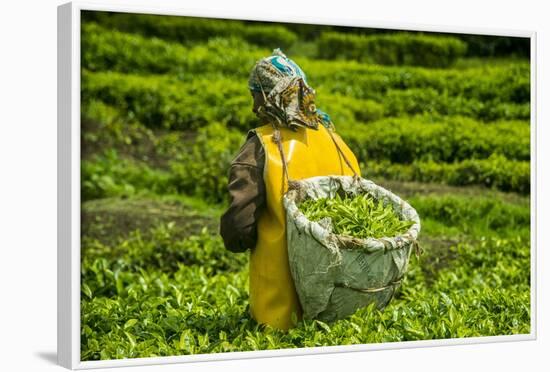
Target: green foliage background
x=441 y=120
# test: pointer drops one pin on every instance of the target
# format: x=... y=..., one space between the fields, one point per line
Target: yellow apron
x=309 y=153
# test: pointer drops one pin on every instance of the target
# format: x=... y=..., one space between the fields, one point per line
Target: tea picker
x=299 y=268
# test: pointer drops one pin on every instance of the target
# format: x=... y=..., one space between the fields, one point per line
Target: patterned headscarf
x=289 y=100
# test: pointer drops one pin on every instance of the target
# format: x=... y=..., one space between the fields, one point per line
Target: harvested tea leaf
x=360 y=216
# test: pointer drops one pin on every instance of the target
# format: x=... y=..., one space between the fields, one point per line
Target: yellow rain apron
x=308 y=153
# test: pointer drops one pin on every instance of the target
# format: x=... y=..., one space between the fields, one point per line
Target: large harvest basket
x=334 y=274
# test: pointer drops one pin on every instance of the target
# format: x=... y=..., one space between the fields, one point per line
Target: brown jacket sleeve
x=246 y=197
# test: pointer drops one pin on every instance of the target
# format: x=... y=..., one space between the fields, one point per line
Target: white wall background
x=28 y=182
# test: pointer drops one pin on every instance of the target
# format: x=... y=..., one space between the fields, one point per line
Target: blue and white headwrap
x=289 y=100
x=268 y=71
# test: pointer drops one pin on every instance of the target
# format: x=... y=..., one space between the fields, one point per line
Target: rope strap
x=372 y=290
x=355 y=176
x=278 y=140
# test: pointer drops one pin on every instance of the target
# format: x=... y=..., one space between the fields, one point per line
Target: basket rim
x=347 y=242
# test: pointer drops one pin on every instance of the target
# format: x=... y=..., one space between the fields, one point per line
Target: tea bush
x=506 y=83
x=441 y=139
x=109 y=175
x=474 y=212
x=165 y=102
x=430 y=101
x=201 y=170
x=204 y=170
x=393 y=48
x=493 y=46
x=495 y=171
x=161 y=252
x=107 y=127
x=112 y=50
x=190 y=30
x=346 y=110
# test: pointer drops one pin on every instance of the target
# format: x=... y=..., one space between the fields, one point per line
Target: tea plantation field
x=443 y=121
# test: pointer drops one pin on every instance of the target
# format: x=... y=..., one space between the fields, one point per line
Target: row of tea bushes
x=477 y=45
x=474 y=212
x=269 y=35
x=495 y=171
x=203 y=171
x=106 y=127
x=441 y=139
x=347 y=110
x=504 y=83
x=428 y=100
x=189 y=30
x=109 y=175
x=497 y=46
x=200 y=169
x=115 y=51
x=122 y=158
x=160 y=101
x=103 y=49
x=392 y=49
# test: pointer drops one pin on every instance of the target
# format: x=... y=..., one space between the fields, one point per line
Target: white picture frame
x=68 y=257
